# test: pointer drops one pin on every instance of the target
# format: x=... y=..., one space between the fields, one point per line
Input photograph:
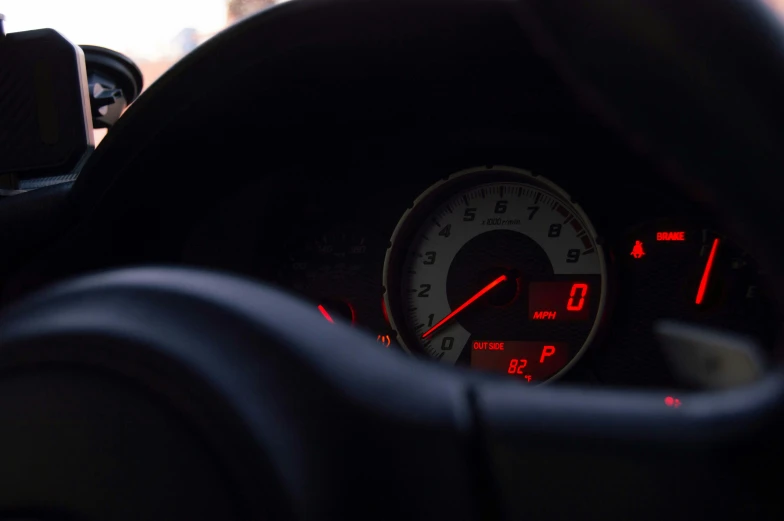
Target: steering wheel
x=173 y=393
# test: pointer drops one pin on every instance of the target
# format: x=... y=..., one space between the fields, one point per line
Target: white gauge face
x=498 y=271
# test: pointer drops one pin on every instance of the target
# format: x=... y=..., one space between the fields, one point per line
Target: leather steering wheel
x=171 y=393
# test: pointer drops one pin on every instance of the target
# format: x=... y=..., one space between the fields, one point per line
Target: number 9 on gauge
x=496 y=269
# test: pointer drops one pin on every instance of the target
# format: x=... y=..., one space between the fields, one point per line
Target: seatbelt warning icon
x=637 y=251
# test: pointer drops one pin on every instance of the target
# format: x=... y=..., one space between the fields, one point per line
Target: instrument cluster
x=502 y=270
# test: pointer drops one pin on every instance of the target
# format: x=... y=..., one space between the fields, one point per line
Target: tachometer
x=496 y=269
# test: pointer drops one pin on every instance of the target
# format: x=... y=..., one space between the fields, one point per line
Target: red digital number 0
x=583 y=291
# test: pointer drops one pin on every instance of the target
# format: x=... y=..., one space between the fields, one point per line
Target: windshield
x=154 y=33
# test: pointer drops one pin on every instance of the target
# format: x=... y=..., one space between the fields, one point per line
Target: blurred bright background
x=154 y=33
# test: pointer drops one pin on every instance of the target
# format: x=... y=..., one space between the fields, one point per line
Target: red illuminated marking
x=489 y=346
x=464 y=305
x=672 y=402
x=576 y=225
x=637 y=250
x=384 y=340
x=516 y=366
x=670 y=236
x=544 y=315
x=582 y=289
x=325 y=314
x=546 y=351
x=384 y=310
x=707 y=272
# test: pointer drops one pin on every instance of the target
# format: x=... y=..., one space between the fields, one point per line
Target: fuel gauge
x=683 y=271
x=338 y=268
x=696 y=274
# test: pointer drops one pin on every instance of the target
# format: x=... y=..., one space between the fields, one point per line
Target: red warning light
x=670 y=236
x=384 y=340
x=637 y=251
x=671 y=401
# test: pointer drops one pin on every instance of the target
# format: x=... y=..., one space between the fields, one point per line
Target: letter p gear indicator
x=546 y=351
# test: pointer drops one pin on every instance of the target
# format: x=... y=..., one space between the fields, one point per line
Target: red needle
x=706 y=273
x=464 y=305
x=326 y=315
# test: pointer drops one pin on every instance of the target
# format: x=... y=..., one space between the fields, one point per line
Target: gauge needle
x=324 y=312
x=464 y=305
x=707 y=272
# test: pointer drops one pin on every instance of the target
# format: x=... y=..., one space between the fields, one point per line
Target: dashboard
x=531 y=267
x=516 y=193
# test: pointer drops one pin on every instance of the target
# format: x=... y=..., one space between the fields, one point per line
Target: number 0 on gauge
x=494 y=268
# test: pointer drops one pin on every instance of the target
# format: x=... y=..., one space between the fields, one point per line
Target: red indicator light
x=325 y=314
x=707 y=272
x=384 y=310
x=546 y=351
x=384 y=340
x=544 y=315
x=670 y=236
x=637 y=251
x=671 y=401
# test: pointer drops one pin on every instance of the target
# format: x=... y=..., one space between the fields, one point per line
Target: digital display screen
x=530 y=361
x=559 y=301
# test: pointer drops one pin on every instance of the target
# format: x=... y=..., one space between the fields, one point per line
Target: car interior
x=398 y=259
